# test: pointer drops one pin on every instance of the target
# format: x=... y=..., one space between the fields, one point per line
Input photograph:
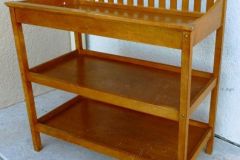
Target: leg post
x=80 y=41
x=214 y=96
x=27 y=86
x=186 y=69
x=216 y=73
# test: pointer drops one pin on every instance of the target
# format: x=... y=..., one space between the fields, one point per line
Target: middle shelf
x=139 y=85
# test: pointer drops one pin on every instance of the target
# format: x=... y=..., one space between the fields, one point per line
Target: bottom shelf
x=118 y=132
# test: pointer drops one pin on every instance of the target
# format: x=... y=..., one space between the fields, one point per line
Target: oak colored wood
x=124 y=81
x=151 y=3
x=133 y=109
x=185 y=5
x=197 y=5
x=140 y=2
x=120 y=1
x=78 y=41
x=130 y=2
x=203 y=94
x=162 y=3
x=128 y=18
x=121 y=132
x=151 y=16
x=74 y=6
x=173 y=4
x=150 y=64
x=202 y=143
x=27 y=86
x=216 y=72
x=209 y=22
x=209 y=4
x=185 y=95
x=114 y=29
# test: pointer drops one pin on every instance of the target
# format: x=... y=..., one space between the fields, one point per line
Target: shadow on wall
x=43 y=44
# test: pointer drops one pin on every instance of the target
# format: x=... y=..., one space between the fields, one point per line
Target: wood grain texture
x=162 y=3
x=85 y=71
x=78 y=41
x=133 y=95
x=208 y=23
x=120 y=1
x=130 y=2
x=217 y=71
x=140 y=2
x=109 y=130
x=115 y=29
x=185 y=95
x=145 y=63
x=173 y=4
x=151 y=3
x=27 y=86
x=185 y=5
x=197 y=5
x=202 y=94
x=209 y=4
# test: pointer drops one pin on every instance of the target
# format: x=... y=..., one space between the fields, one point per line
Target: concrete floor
x=15 y=139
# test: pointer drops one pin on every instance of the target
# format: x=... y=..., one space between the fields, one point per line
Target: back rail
x=184 y=5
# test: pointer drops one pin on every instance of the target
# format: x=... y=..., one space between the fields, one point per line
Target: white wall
x=42 y=45
x=228 y=124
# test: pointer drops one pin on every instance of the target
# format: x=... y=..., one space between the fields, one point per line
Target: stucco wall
x=42 y=45
x=228 y=124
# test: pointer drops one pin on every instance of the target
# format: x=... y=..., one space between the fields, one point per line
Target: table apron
x=103 y=27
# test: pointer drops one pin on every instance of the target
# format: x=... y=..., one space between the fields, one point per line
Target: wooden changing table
x=127 y=108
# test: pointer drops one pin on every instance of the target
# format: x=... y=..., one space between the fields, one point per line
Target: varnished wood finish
x=201 y=144
x=162 y=3
x=109 y=28
x=122 y=133
x=185 y=95
x=151 y=3
x=216 y=72
x=197 y=5
x=130 y=2
x=185 y=5
x=78 y=41
x=145 y=63
x=209 y=22
x=203 y=94
x=144 y=108
x=96 y=75
x=139 y=3
x=88 y=14
x=27 y=86
x=173 y=4
x=209 y=4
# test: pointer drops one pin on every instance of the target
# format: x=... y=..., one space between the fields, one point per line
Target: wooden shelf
x=119 y=132
x=116 y=80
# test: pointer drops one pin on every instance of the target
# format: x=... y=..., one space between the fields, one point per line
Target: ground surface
x=15 y=139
